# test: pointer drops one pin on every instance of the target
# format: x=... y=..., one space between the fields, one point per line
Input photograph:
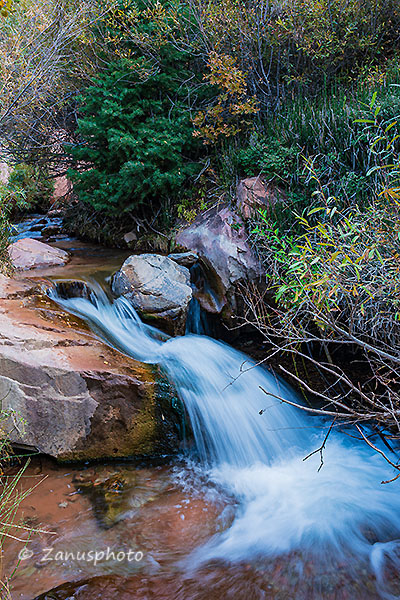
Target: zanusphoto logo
x=93 y=555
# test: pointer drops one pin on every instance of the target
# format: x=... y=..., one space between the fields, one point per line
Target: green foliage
x=179 y=70
x=200 y=198
x=137 y=145
x=333 y=273
x=5 y=265
x=341 y=268
x=323 y=133
x=344 y=268
x=268 y=157
x=304 y=42
x=28 y=189
x=330 y=36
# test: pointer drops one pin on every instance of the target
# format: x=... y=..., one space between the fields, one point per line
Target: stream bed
x=162 y=513
x=243 y=517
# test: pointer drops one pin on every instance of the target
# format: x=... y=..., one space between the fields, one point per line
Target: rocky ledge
x=68 y=395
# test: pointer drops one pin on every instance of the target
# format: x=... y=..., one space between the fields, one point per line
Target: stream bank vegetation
x=155 y=105
x=195 y=94
x=334 y=279
x=28 y=189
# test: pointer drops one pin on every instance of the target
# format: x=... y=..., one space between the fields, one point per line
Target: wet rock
x=74 y=400
x=109 y=491
x=208 y=289
x=54 y=213
x=10 y=288
x=28 y=253
x=253 y=194
x=176 y=522
x=219 y=238
x=158 y=288
x=73 y=289
x=117 y=493
x=51 y=230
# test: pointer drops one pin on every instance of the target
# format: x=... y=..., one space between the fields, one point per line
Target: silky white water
x=285 y=503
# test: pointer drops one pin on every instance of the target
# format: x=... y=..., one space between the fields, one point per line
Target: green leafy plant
x=28 y=189
x=269 y=157
x=335 y=284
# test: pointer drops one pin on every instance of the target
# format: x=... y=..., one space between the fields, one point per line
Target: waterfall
x=253 y=446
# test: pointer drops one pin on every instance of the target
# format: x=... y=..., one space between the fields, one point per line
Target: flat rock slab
x=69 y=395
x=28 y=253
x=12 y=288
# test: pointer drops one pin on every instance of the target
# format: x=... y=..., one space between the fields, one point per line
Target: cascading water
x=286 y=504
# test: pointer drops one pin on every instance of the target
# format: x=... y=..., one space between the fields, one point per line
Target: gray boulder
x=158 y=288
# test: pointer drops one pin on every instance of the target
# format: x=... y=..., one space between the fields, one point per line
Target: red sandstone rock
x=31 y=254
x=254 y=194
x=68 y=394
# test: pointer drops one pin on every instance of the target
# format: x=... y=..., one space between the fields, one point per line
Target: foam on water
x=286 y=504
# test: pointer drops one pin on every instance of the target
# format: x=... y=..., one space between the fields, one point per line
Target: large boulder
x=219 y=238
x=28 y=253
x=68 y=395
x=63 y=187
x=254 y=194
x=158 y=288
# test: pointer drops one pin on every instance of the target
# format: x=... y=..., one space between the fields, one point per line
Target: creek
x=250 y=511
